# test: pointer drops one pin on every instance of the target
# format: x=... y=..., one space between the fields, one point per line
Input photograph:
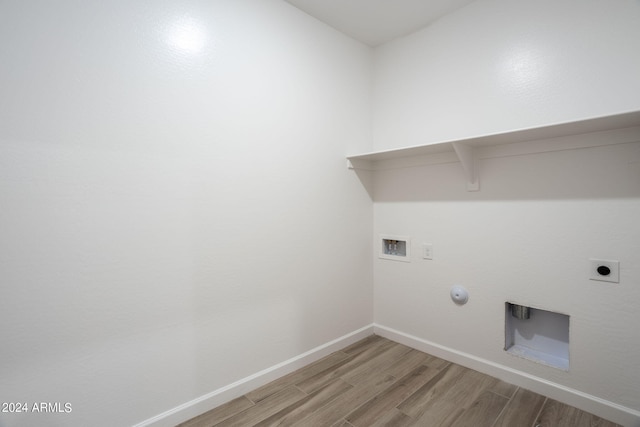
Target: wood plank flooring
x=377 y=382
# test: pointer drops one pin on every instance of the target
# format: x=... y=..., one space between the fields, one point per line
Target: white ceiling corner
x=378 y=21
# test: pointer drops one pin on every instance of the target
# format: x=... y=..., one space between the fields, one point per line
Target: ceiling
x=378 y=21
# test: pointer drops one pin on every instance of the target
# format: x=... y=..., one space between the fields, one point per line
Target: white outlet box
x=396 y=248
x=427 y=251
x=604 y=270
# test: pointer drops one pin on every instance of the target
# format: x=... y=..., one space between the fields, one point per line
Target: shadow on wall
x=589 y=173
x=366 y=177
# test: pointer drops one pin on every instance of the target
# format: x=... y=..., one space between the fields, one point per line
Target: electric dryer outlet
x=604 y=270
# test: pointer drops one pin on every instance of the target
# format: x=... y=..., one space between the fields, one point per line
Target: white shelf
x=466 y=149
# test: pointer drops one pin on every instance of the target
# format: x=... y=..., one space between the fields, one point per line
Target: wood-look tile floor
x=377 y=382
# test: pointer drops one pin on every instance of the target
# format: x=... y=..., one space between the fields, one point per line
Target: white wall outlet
x=427 y=251
x=604 y=270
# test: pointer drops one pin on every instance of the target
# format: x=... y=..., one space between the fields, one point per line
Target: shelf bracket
x=359 y=164
x=469 y=161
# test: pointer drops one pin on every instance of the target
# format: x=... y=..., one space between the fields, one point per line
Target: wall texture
x=499 y=65
x=526 y=236
x=176 y=211
x=176 y=214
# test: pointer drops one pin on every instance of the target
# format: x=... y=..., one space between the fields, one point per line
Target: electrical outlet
x=427 y=251
x=604 y=270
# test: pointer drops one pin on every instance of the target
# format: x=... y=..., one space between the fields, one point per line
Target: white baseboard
x=611 y=411
x=222 y=395
x=600 y=407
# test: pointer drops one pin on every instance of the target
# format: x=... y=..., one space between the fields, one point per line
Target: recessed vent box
x=397 y=248
x=538 y=335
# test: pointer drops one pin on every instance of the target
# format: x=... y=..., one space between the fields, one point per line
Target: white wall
x=498 y=65
x=526 y=236
x=173 y=221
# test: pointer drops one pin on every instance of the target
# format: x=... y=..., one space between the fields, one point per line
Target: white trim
x=445 y=153
x=617 y=413
x=611 y=411
x=549 y=132
x=229 y=392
